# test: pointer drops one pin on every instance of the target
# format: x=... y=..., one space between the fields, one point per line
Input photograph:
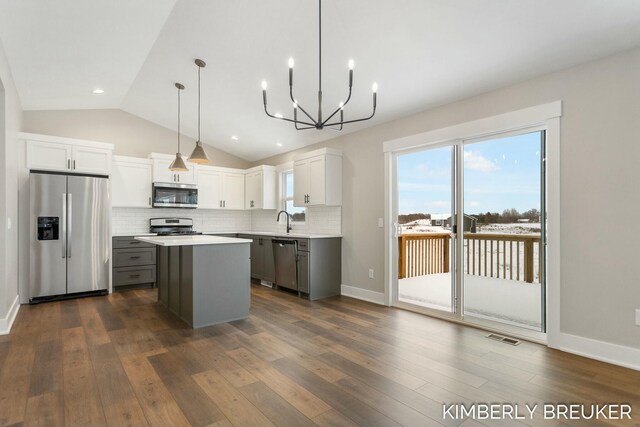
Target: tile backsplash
x=320 y=220
x=136 y=220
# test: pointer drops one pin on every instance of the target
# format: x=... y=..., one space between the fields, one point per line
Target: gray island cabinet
x=205 y=280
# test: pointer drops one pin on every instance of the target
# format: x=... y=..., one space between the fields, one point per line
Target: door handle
x=397 y=230
x=64 y=225
x=70 y=223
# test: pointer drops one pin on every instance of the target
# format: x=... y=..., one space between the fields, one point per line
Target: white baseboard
x=615 y=354
x=7 y=321
x=363 y=294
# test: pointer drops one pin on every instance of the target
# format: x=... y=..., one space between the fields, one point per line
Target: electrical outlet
x=637 y=316
x=380 y=223
x=371 y=273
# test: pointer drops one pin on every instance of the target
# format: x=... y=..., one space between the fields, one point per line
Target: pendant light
x=178 y=164
x=318 y=122
x=198 y=155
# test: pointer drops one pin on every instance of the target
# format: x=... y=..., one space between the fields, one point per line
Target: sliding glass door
x=426 y=206
x=503 y=228
x=471 y=230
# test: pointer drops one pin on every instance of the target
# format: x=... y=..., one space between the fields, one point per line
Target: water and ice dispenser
x=48 y=227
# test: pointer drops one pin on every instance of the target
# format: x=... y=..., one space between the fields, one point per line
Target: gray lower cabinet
x=320 y=267
x=262 y=266
x=303 y=271
x=134 y=263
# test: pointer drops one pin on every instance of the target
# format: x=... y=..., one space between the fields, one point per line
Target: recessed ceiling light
x=279 y=144
x=98 y=91
x=235 y=138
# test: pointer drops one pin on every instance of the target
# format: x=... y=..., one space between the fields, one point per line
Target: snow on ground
x=509 y=301
x=424 y=226
x=514 y=228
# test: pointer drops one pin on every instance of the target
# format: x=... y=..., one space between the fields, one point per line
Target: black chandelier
x=318 y=123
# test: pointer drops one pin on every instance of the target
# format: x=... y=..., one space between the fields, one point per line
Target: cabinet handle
x=224 y=203
x=133 y=276
x=134 y=257
x=136 y=242
x=68 y=163
x=74 y=165
x=220 y=203
x=149 y=201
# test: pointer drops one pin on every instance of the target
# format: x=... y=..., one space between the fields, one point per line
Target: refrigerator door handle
x=69 y=222
x=64 y=225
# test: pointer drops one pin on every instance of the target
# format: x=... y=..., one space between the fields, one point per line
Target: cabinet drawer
x=134 y=275
x=131 y=257
x=303 y=244
x=130 y=242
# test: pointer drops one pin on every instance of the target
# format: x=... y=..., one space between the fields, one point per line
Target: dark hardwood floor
x=123 y=360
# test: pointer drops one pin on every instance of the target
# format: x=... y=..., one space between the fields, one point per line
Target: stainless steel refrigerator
x=70 y=235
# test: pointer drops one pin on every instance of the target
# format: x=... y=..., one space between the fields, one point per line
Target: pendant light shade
x=198 y=155
x=178 y=164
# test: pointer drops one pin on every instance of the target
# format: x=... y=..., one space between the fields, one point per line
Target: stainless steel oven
x=166 y=195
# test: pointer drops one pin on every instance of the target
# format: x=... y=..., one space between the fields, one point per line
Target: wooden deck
x=124 y=360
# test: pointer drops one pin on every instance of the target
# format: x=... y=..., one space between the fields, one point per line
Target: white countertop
x=190 y=240
x=277 y=234
x=133 y=234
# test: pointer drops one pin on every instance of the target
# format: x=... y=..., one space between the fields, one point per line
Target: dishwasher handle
x=283 y=242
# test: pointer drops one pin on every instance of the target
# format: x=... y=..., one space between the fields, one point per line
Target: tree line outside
x=508 y=216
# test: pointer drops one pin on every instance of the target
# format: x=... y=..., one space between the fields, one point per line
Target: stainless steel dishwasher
x=285 y=256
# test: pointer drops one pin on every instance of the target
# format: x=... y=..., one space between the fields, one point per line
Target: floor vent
x=506 y=340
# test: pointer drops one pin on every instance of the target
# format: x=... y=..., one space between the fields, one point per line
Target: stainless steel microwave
x=167 y=195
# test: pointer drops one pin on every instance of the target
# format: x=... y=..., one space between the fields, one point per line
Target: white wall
x=600 y=148
x=131 y=135
x=10 y=125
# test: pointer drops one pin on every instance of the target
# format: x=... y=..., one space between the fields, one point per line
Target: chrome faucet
x=288 y=219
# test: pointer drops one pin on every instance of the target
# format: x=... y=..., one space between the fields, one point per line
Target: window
x=297 y=214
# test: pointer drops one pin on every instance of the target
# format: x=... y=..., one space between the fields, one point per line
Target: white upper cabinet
x=260 y=188
x=317 y=178
x=161 y=172
x=209 y=188
x=233 y=190
x=220 y=188
x=131 y=180
x=58 y=154
x=90 y=159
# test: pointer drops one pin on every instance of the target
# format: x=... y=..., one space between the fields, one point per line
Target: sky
x=499 y=174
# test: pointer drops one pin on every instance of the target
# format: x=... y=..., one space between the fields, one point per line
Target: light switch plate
x=637 y=316
x=8 y=223
x=380 y=222
x=371 y=273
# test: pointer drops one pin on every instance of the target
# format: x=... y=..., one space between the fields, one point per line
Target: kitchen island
x=205 y=280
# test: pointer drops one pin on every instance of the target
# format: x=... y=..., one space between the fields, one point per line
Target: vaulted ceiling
x=422 y=53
